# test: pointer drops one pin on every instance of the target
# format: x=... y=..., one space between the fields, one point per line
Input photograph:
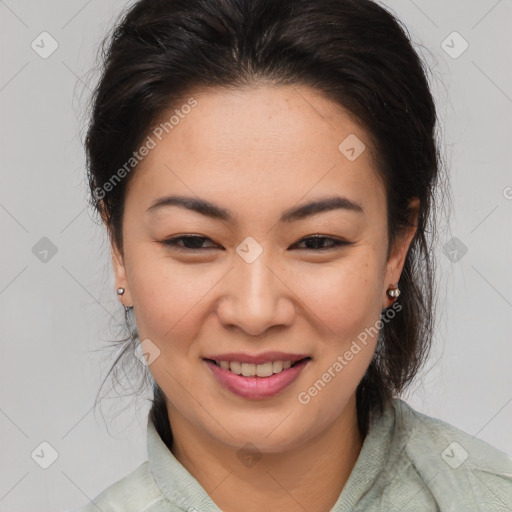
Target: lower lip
x=256 y=387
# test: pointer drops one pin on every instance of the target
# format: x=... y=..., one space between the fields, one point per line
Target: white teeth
x=277 y=366
x=234 y=367
x=248 y=369
x=264 y=370
x=251 y=370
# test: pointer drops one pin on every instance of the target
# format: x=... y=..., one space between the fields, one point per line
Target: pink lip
x=256 y=387
x=264 y=357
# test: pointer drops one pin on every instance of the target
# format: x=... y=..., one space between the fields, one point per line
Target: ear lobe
x=120 y=277
x=117 y=258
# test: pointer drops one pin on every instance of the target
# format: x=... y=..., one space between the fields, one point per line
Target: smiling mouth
x=257 y=370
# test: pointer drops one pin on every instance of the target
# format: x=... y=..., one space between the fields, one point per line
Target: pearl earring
x=393 y=292
x=120 y=292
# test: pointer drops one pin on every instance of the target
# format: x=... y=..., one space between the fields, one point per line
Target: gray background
x=56 y=314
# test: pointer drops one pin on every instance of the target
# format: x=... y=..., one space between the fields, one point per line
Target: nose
x=256 y=297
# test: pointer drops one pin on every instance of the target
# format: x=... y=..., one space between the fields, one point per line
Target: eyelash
x=173 y=243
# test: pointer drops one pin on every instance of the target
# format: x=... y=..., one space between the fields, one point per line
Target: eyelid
x=173 y=243
x=339 y=242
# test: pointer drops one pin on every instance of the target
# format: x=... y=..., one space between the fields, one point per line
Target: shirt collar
x=174 y=480
x=385 y=440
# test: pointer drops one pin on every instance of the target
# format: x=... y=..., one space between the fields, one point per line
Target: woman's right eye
x=190 y=243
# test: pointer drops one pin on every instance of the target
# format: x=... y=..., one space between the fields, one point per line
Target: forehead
x=261 y=145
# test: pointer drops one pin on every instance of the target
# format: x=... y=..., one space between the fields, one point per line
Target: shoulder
x=458 y=469
x=136 y=491
x=451 y=445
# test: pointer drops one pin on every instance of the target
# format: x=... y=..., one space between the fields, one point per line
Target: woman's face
x=254 y=284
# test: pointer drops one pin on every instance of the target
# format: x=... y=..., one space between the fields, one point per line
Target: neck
x=310 y=477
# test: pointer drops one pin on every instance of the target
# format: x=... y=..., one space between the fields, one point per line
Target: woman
x=266 y=173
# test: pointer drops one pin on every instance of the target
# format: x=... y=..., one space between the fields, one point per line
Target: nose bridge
x=253 y=298
x=256 y=280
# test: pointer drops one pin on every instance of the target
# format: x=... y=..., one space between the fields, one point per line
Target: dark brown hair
x=354 y=52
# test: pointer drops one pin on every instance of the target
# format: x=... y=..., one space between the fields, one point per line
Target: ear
x=398 y=252
x=118 y=265
x=120 y=277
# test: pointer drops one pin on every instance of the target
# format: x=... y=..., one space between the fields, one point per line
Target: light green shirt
x=409 y=462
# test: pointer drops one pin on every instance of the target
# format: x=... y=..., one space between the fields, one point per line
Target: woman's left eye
x=316 y=243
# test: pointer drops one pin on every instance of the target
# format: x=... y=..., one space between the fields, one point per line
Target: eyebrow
x=214 y=211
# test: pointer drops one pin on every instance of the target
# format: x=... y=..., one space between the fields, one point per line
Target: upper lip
x=263 y=357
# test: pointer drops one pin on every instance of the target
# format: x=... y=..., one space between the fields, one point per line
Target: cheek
x=340 y=297
x=348 y=302
x=346 y=295
x=168 y=296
